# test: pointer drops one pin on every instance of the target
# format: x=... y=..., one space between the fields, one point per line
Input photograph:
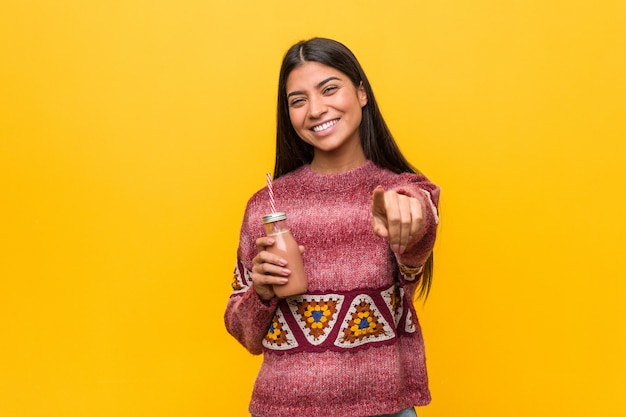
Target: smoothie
x=286 y=247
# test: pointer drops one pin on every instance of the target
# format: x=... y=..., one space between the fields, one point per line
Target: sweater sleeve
x=247 y=317
x=421 y=245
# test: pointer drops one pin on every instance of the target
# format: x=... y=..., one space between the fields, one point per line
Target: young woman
x=366 y=222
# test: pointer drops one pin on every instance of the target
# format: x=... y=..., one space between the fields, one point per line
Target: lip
x=330 y=124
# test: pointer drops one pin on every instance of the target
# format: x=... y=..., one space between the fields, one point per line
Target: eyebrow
x=320 y=84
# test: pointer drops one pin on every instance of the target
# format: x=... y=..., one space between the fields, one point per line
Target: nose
x=317 y=107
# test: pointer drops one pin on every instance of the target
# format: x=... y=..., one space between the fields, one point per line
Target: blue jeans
x=409 y=412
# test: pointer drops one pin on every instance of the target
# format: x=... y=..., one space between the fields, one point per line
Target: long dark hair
x=376 y=139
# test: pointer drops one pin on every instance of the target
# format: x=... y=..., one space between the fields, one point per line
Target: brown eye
x=296 y=102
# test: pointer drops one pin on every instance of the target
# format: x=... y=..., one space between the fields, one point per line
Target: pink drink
x=286 y=247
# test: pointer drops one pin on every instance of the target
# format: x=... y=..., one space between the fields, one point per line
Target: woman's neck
x=328 y=163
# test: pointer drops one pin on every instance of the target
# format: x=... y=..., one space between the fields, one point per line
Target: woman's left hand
x=396 y=216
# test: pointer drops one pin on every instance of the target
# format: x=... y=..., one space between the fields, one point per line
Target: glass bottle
x=286 y=247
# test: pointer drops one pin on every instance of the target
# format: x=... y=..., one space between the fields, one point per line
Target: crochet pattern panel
x=316 y=315
x=279 y=336
x=338 y=322
x=364 y=324
x=241 y=279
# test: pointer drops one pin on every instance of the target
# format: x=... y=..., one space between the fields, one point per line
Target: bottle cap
x=274 y=217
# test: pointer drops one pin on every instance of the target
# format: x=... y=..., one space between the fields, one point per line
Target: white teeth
x=325 y=126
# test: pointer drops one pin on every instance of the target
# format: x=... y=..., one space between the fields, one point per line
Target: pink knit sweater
x=351 y=346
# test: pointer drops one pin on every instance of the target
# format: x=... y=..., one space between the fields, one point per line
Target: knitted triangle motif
x=393 y=298
x=236 y=282
x=410 y=326
x=316 y=315
x=241 y=278
x=363 y=324
x=279 y=336
x=410 y=273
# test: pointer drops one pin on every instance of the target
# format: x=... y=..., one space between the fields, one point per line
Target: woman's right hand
x=267 y=269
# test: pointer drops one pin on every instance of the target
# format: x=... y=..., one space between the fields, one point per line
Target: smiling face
x=325 y=110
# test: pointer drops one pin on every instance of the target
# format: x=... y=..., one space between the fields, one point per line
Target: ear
x=361 y=94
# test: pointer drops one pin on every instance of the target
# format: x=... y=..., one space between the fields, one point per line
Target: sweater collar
x=339 y=181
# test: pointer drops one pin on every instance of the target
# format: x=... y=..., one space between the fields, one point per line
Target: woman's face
x=325 y=108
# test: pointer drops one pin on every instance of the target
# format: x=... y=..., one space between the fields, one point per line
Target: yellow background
x=132 y=133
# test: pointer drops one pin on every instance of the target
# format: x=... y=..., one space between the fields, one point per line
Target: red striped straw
x=270 y=190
